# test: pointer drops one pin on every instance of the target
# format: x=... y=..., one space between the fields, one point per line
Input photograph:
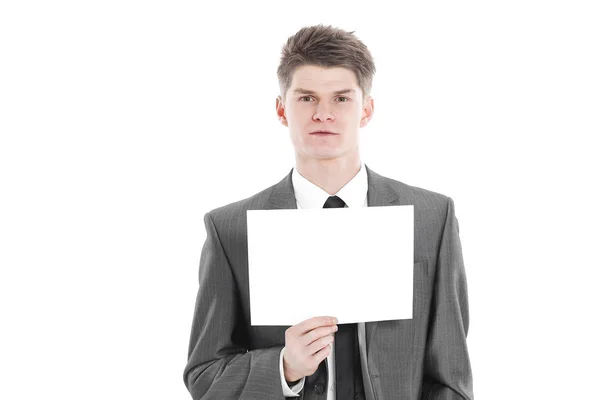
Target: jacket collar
x=380 y=192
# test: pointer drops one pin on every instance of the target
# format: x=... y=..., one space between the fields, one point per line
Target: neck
x=329 y=174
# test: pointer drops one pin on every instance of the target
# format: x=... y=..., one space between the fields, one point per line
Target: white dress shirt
x=309 y=195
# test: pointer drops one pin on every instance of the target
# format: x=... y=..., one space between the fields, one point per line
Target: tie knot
x=334 y=202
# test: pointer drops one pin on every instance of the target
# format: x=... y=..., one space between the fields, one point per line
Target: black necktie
x=334 y=202
x=347 y=356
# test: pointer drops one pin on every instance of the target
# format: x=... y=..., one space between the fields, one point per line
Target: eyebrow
x=306 y=91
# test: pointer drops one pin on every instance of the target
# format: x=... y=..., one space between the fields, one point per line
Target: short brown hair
x=327 y=47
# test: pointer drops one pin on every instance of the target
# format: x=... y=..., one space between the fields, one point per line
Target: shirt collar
x=309 y=195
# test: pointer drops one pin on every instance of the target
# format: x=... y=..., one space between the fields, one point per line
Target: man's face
x=324 y=99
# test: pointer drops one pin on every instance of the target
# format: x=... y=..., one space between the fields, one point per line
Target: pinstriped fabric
x=425 y=357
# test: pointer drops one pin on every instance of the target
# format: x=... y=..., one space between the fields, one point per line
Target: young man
x=325 y=77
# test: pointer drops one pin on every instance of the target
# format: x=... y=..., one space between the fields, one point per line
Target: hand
x=306 y=345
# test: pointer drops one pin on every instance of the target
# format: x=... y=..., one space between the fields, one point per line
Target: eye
x=343 y=99
x=305 y=97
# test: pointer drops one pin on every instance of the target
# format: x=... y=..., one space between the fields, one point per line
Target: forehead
x=312 y=77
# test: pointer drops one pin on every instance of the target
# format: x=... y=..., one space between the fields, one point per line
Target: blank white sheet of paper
x=355 y=264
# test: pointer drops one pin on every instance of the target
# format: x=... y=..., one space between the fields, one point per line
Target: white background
x=123 y=122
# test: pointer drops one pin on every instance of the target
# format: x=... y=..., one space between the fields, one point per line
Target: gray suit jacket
x=422 y=358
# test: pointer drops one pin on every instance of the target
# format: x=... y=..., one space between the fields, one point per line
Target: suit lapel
x=380 y=194
x=282 y=196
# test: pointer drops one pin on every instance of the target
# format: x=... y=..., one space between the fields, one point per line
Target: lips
x=323 y=132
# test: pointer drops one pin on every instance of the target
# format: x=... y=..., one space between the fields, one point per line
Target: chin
x=326 y=155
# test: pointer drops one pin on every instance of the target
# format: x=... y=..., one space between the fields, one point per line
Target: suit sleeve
x=447 y=369
x=219 y=366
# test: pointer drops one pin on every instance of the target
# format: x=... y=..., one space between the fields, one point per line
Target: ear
x=367 y=112
x=280 y=108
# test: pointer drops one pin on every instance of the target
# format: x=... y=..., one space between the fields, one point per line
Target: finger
x=315 y=322
x=319 y=344
x=322 y=354
x=318 y=333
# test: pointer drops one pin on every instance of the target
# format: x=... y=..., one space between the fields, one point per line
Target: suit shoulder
x=431 y=208
x=418 y=194
x=237 y=209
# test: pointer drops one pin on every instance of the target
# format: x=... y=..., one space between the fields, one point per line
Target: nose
x=323 y=112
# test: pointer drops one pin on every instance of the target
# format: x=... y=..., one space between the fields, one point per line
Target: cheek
x=298 y=119
x=301 y=114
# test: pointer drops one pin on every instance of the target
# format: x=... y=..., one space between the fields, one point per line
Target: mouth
x=323 y=133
